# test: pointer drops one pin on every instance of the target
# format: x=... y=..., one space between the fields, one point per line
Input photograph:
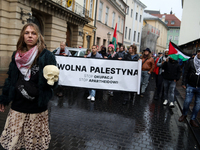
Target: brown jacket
x=148 y=65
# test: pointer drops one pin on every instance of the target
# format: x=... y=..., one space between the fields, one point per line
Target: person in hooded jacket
x=103 y=52
x=171 y=75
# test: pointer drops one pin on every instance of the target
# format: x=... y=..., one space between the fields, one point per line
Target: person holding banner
x=147 y=69
x=27 y=124
x=93 y=54
x=111 y=53
x=131 y=56
x=121 y=54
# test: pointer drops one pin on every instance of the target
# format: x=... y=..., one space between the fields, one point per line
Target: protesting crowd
x=29 y=88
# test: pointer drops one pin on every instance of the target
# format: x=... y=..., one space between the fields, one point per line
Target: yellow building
x=162 y=27
x=89 y=29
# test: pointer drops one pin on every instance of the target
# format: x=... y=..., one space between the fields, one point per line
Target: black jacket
x=45 y=90
x=120 y=54
x=189 y=76
x=172 y=70
x=128 y=57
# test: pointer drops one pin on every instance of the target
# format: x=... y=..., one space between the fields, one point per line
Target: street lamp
x=108 y=36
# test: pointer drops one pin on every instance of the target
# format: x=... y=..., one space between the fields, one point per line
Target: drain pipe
x=95 y=22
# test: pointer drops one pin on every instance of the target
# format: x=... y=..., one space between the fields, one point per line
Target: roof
x=152 y=11
x=169 y=18
x=148 y=16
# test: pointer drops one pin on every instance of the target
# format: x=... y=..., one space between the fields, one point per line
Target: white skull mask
x=51 y=73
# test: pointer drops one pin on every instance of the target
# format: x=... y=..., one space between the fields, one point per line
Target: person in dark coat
x=121 y=54
x=191 y=82
x=27 y=125
x=171 y=75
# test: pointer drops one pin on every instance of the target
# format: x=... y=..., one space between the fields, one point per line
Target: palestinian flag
x=114 y=40
x=176 y=53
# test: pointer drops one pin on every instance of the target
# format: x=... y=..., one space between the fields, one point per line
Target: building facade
x=160 y=25
x=173 y=24
x=57 y=20
x=90 y=28
x=190 y=27
x=133 y=23
x=109 y=13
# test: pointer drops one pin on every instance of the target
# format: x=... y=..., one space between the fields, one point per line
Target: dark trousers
x=159 y=81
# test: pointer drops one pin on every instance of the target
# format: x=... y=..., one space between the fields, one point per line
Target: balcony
x=75 y=7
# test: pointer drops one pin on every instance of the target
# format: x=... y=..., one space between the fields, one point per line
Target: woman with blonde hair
x=27 y=125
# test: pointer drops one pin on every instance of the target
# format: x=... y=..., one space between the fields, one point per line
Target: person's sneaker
x=92 y=98
x=171 y=104
x=165 y=102
x=89 y=97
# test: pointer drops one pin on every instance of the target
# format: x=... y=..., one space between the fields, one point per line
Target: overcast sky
x=165 y=6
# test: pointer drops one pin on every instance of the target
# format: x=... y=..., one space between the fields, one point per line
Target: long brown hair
x=21 y=45
x=134 y=48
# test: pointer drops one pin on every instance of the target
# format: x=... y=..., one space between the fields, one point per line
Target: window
x=91 y=4
x=129 y=36
x=118 y=23
x=122 y=26
x=177 y=31
x=140 y=18
x=125 y=32
x=100 y=10
x=106 y=17
x=172 y=22
x=171 y=31
x=113 y=19
x=98 y=40
x=104 y=42
x=134 y=36
x=166 y=22
x=127 y=10
x=176 y=38
x=136 y=16
x=131 y=13
x=84 y=6
x=138 y=39
x=170 y=37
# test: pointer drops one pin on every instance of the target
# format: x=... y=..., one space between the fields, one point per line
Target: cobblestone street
x=79 y=124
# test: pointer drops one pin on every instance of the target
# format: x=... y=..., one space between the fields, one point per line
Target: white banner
x=99 y=73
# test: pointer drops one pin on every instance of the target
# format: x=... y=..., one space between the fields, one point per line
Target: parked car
x=79 y=52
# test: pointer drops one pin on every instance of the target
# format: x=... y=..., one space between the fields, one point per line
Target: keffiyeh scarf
x=25 y=60
x=197 y=65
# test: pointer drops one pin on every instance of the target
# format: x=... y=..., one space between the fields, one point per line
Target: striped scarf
x=197 y=65
x=25 y=60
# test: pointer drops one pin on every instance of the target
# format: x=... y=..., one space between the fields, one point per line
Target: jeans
x=144 y=80
x=92 y=93
x=169 y=88
x=190 y=92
